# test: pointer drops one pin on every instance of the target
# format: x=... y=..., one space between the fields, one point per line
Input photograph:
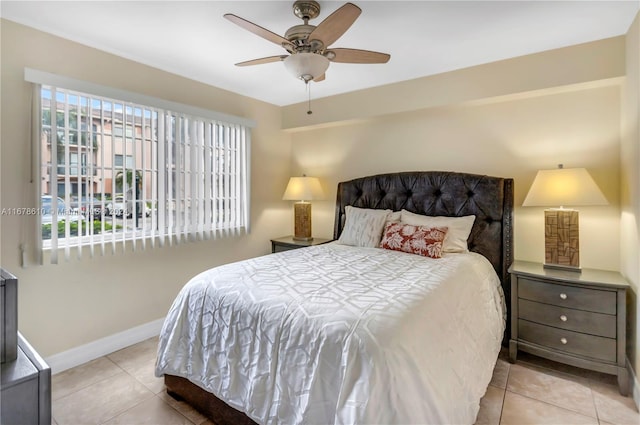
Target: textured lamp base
x=302 y=221
x=561 y=240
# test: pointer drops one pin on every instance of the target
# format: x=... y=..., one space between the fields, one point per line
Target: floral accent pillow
x=458 y=231
x=420 y=240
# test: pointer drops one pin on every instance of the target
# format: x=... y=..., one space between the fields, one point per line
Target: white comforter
x=335 y=334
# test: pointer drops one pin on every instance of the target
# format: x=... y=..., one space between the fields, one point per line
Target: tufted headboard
x=443 y=193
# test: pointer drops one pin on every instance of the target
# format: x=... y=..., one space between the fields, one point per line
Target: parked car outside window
x=89 y=207
x=61 y=213
x=116 y=207
x=120 y=208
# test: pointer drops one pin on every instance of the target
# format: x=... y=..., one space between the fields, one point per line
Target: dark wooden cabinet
x=569 y=317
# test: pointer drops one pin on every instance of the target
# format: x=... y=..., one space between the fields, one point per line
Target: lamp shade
x=306 y=66
x=303 y=189
x=564 y=186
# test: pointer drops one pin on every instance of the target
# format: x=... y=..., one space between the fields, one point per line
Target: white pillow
x=394 y=217
x=363 y=226
x=457 y=235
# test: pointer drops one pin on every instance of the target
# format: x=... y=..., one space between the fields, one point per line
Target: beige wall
x=71 y=304
x=554 y=69
x=565 y=119
x=552 y=110
x=506 y=138
x=630 y=187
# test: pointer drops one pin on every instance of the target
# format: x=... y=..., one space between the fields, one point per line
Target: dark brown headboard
x=443 y=193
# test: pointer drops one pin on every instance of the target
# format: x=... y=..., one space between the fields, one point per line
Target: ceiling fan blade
x=257 y=30
x=336 y=24
x=320 y=78
x=260 y=61
x=359 y=56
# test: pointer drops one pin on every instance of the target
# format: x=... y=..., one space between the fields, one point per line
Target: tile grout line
x=553 y=405
x=593 y=399
x=136 y=380
x=504 y=395
x=560 y=372
x=92 y=383
x=181 y=414
x=126 y=410
x=543 y=369
x=153 y=395
x=121 y=370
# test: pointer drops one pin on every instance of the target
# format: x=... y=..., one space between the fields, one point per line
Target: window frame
x=183 y=111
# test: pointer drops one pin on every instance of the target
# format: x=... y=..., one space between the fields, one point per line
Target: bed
x=342 y=334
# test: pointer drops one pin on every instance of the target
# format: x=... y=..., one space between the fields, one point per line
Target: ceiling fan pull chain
x=309 y=112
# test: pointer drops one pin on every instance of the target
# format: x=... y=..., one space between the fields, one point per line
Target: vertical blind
x=115 y=172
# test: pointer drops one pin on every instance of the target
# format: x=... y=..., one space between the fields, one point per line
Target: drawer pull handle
x=563 y=340
x=563 y=318
x=563 y=296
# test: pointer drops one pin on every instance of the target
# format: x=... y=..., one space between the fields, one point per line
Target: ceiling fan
x=309 y=46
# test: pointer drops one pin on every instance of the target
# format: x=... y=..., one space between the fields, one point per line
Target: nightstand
x=573 y=318
x=286 y=243
x=25 y=388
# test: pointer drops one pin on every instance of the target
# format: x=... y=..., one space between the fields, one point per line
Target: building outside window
x=150 y=173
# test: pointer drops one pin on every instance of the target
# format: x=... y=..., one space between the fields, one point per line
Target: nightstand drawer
x=281 y=248
x=566 y=318
x=595 y=347
x=568 y=296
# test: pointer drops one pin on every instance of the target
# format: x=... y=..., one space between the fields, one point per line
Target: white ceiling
x=192 y=39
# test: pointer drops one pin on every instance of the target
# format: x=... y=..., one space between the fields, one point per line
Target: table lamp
x=303 y=189
x=559 y=188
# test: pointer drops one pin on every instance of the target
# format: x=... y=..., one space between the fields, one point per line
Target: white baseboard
x=103 y=346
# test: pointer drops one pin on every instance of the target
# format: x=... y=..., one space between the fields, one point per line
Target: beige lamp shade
x=564 y=187
x=303 y=189
x=557 y=188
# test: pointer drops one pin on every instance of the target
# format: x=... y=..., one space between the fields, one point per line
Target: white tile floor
x=121 y=389
x=539 y=391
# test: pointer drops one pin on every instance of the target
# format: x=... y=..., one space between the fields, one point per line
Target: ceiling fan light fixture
x=306 y=66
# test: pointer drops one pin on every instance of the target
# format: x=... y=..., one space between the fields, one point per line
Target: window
x=170 y=176
x=119 y=161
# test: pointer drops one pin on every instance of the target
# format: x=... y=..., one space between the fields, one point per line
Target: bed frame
x=433 y=193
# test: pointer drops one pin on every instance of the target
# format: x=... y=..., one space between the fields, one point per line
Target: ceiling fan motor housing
x=298 y=36
x=298 y=32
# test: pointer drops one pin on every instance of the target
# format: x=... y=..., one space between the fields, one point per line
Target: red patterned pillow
x=425 y=241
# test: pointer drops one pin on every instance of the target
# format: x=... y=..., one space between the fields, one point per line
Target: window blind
x=114 y=172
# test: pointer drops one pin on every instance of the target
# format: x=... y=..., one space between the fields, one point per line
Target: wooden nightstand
x=573 y=318
x=286 y=243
